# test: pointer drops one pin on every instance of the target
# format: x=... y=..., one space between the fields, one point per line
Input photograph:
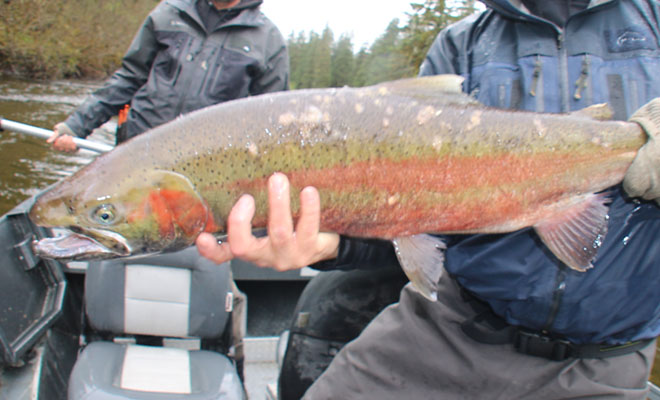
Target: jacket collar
x=250 y=15
x=516 y=8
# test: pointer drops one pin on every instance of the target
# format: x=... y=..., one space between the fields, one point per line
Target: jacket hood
x=516 y=8
x=188 y=4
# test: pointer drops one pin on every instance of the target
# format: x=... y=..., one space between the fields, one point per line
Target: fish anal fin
x=422 y=259
x=575 y=235
x=599 y=112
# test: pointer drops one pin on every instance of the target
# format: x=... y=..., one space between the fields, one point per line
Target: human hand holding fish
x=643 y=177
x=283 y=249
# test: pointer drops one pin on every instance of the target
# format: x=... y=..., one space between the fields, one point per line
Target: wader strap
x=487 y=327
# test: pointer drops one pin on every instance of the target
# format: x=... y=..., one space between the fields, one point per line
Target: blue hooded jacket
x=609 y=52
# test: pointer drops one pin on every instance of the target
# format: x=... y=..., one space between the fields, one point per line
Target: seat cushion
x=106 y=370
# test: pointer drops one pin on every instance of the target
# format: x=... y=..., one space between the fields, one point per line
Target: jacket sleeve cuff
x=76 y=127
x=356 y=253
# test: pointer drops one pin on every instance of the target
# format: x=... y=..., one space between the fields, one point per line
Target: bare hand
x=283 y=249
x=62 y=138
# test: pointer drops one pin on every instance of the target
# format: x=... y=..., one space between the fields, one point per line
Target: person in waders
x=510 y=321
x=187 y=55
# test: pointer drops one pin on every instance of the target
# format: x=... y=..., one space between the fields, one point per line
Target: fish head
x=155 y=211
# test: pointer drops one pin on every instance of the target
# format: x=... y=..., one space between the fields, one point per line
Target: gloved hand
x=643 y=177
x=62 y=138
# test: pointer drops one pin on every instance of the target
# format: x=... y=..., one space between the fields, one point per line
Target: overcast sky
x=364 y=19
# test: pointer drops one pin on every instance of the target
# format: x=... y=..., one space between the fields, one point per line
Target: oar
x=45 y=134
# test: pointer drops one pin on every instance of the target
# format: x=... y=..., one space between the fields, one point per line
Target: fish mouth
x=79 y=245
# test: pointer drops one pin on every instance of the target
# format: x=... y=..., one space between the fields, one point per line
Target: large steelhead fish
x=393 y=161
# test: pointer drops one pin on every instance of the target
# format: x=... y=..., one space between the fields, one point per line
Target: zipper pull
x=536 y=75
x=583 y=80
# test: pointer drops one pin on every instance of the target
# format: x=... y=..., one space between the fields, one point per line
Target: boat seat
x=181 y=298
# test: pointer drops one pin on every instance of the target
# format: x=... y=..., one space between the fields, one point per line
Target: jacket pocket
x=167 y=65
x=230 y=77
x=497 y=85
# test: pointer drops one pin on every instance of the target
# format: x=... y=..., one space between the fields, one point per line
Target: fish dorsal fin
x=427 y=86
x=576 y=234
x=422 y=259
x=599 y=112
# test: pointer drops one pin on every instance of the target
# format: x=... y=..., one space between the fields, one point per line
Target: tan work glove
x=643 y=177
x=62 y=138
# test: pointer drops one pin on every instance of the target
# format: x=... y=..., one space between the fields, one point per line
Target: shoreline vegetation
x=86 y=39
x=80 y=39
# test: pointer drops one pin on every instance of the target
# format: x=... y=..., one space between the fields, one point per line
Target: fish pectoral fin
x=422 y=259
x=575 y=236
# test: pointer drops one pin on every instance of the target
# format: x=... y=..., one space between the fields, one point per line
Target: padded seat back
x=177 y=295
x=172 y=295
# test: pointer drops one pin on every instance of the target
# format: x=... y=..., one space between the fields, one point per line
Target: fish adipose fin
x=422 y=259
x=575 y=235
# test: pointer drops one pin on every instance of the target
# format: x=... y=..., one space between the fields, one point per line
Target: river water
x=28 y=164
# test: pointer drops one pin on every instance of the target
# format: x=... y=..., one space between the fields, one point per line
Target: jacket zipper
x=560 y=282
x=536 y=90
x=560 y=288
x=563 y=73
x=583 y=81
x=185 y=85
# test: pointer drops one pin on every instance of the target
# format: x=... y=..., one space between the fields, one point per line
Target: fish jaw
x=74 y=247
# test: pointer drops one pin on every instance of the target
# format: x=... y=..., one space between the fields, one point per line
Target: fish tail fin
x=422 y=259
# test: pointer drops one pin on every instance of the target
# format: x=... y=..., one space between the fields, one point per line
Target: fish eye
x=104 y=214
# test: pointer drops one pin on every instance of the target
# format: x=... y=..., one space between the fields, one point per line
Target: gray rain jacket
x=174 y=66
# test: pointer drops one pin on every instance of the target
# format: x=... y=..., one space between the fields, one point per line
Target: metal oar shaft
x=45 y=134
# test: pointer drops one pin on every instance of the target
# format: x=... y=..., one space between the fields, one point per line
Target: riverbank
x=70 y=39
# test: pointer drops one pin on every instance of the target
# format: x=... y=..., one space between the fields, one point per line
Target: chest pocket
x=497 y=85
x=167 y=65
x=231 y=76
